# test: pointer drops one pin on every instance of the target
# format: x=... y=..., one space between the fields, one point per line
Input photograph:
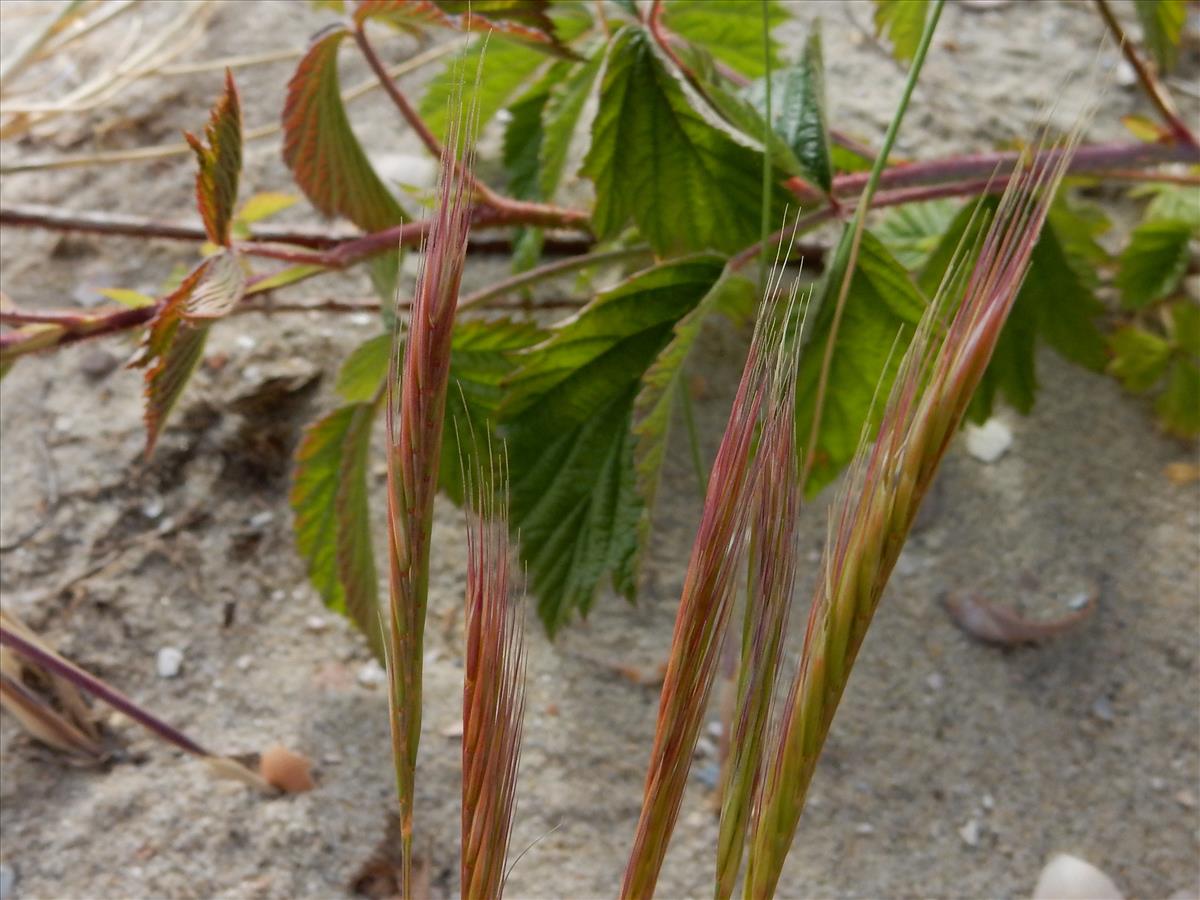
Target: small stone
x=168 y=662
x=246 y=342
x=1186 y=799
x=1102 y=709
x=453 y=730
x=705 y=748
x=989 y=441
x=243 y=663
x=989 y=802
x=288 y=771
x=1068 y=877
x=1126 y=76
x=8 y=881
x=371 y=674
x=315 y=624
x=970 y=833
x=864 y=828
x=935 y=681
x=95 y=364
x=1158 y=784
x=262 y=519
x=714 y=729
x=278 y=595
x=152 y=507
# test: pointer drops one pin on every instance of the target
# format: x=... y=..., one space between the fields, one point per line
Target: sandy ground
x=953 y=770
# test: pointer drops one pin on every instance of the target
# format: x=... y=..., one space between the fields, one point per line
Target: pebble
x=970 y=833
x=1186 y=799
x=989 y=441
x=705 y=747
x=315 y=624
x=8 y=881
x=262 y=519
x=1071 y=878
x=371 y=674
x=864 y=828
x=97 y=363
x=168 y=662
x=989 y=802
x=935 y=681
x=244 y=662
x=152 y=507
x=1102 y=709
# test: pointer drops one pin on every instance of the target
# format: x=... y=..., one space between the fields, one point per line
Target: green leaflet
x=562 y=113
x=729 y=29
x=658 y=159
x=332 y=524
x=1171 y=201
x=902 y=21
x=1054 y=304
x=881 y=311
x=798 y=110
x=1185 y=326
x=522 y=144
x=1178 y=407
x=321 y=150
x=1154 y=261
x=220 y=164
x=571 y=453
x=913 y=231
x=361 y=375
x=505 y=69
x=731 y=296
x=1162 y=26
x=1139 y=358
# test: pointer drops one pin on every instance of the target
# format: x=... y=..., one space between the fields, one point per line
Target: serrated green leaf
x=657 y=158
x=1185 y=326
x=506 y=68
x=730 y=296
x=902 y=21
x=1065 y=308
x=1139 y=358
x=562 y=114
x=913 y=231
x=1154 y=262
x=1178 y=407
x=1172 y=202
x=522 y=145
x=729 y=29
x=332 y=522
x=881 y=311
x=320 y=148
x=798 y=110
x=361 y=376
x=1162 y=26
x=567 y=421
x=219 y=157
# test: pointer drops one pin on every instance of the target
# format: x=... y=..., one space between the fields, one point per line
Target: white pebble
x=168 y=662
x=262 y=519
x=989 y=802
x=371 y=674
x=989 y=441
x=970 y=833
x=935 y=681
x=864 y=828
x=1070 y=878
x=246 y=342
x=152 y=507
x=244 y=662
x=315 y=623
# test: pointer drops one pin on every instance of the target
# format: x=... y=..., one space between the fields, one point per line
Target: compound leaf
x=729 y=29
x=1139 y=358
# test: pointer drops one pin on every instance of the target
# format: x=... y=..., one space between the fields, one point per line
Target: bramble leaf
x=1154 y=261
x=320 y=148
x=220 y=161
x=729 y=29
x=1162 y=27
x=562 y=114
x=657 y=158
x=798 y=110
x=361 y=376
x=522 y=145
x=730 y=296
x=1185 y=326
x=567 y=421
x=1171 y=201
x=1178 y=407
x=332 y=523
x=1139 y=358
x=881 y=311
x=902 y=21
x=219 y=289
x=519 y=20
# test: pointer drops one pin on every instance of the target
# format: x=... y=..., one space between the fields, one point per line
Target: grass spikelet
x=416 y=406
x=493 y=693
x=775 y=510
x=704 y=609
x=872 y=515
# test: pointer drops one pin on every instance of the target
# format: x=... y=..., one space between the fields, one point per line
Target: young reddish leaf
x=220 y=288
x=332 y=527
x=521 y=20
x=325 y=157
x=220 y=162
